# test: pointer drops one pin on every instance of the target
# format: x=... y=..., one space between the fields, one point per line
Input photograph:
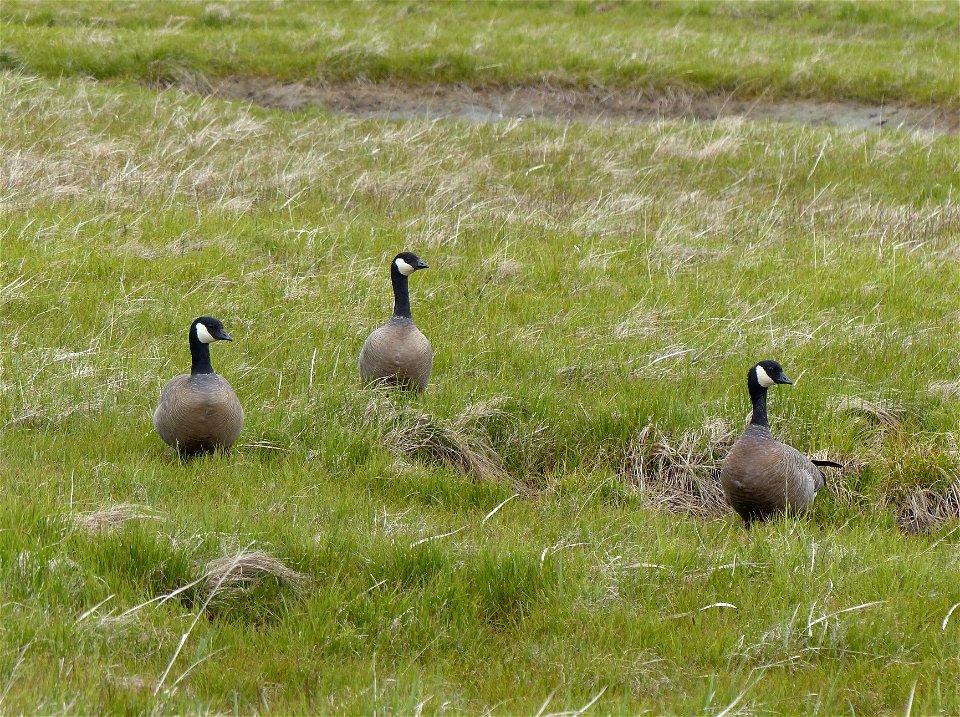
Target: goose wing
x=761 y=476
x=809 y=478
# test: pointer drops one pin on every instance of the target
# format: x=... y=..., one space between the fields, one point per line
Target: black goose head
x=203 y=332
x=402 y=266
x=207 y=329
x=761 y=377
x=766 y=374
x=406 y=262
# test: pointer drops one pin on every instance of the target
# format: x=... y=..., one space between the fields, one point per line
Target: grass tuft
x=883 y=413
x=167 y=72
x=462 y=443
x=242 y=571
x=113 y=517
x=925 y=510
x=946 y=390
x=681 y=473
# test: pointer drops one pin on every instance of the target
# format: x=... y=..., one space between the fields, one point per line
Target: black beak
x=421 y=265
x=783 y=379
x=223 y=336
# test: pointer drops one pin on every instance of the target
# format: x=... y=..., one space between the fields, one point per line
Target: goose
x=397 y=353
x=760 y=475
x=199 y=412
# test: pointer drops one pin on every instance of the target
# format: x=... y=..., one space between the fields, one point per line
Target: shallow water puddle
x=396 y=102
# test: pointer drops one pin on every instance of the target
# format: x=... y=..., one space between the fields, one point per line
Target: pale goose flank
x=762 y=476
x=199 y=413
x=397 y=353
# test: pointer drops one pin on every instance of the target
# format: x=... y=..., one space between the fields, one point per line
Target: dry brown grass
x=462 y=442
x=681 y=473
x=112 y=517
x=947 y=390
x=883 y=413
x=924 y=510
x=231 y=574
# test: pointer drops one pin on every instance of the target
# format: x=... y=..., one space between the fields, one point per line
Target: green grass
x=584 y=281
x=877 y=51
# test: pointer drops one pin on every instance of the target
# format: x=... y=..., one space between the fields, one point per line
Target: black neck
x=200 y=353
x=758 y=395
x=401 y=293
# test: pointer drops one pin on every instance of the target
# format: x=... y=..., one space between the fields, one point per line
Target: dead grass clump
x=505 y=269
x=949 y=390
x=233 y=574
x=215 y=14
x=641 y=323
x=924 y=510
x=885 y=414
x=840 y=482
x=462 y=443
x=681 y=473
x=678 y=254
x=113 y=517
x=165 y=73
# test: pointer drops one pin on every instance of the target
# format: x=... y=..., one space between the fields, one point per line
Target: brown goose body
x=761 y=476
x=397 y=354
x=198 y=414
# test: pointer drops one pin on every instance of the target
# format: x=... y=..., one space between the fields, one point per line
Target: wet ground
x=496 y=104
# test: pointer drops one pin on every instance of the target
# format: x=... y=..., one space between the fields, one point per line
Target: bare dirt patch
x=391 y=101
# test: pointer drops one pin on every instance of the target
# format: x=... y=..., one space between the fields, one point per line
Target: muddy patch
x=396 y=102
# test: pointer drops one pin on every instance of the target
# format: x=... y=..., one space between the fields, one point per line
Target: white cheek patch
x=404 y=267
x=204 y=335
x=763 y=378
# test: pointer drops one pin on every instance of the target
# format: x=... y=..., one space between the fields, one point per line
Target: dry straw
x=235 y=573
x=885 y=414
x=681 y=473
x=113 y=517
x=923 y=510
x=462 y=442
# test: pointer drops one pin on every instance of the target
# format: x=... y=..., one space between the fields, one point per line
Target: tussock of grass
x=924 y=510
x=112 y=517
x=168 y=72
x=947 y=390
x=231 y=575
x=680 y=473
x=509 y=585
x=884 y=413
x=461 y=443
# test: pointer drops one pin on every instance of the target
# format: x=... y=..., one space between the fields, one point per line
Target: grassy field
x=539 y=531
x=872 y=51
